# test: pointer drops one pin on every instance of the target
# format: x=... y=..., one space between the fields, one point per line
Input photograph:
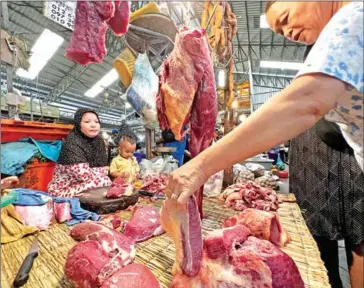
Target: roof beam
x=113 y=44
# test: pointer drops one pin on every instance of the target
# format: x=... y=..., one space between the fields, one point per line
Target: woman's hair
x=268 y=5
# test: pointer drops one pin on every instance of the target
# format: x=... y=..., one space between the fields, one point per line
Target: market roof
x=65 y=82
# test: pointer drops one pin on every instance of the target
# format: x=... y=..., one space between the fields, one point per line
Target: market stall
x=158 y=253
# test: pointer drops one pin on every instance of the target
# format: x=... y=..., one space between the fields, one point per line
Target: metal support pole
x=148 y=142
x=31 y=106
x=251 y=87
x=12 y=109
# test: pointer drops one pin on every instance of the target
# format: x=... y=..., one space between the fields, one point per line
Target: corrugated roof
x=26 y=19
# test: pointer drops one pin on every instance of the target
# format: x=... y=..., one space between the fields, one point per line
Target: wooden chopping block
x=95 y=201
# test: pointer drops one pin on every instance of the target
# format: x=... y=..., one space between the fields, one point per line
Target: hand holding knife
x=23 y=273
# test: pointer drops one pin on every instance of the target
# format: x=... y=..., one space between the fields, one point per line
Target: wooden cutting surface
x=158 y=253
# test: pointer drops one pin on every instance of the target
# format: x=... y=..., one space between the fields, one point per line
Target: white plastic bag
x=143 y=91
x=242 y=174
x=257 y=169
x=213 y=185
x=157 y=165
x=171 y=164
x=268 y=180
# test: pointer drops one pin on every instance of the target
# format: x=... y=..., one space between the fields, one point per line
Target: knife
x=23 y=273
x=145 y=193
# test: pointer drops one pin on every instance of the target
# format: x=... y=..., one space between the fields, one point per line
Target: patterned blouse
x=70 y=180
x=338 y=52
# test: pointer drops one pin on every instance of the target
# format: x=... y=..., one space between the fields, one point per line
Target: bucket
x=37 y=175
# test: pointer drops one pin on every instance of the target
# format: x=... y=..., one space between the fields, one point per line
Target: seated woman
x=82 y=164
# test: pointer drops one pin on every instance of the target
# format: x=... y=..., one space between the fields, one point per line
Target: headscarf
x=78 y=148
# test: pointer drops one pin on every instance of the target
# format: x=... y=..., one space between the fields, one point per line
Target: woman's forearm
x=284 y=116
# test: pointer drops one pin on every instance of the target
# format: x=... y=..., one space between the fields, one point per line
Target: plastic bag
x=256 y=169
x=242 y=174
x=146 y=168
x=157 y=166
x=268 y=180
x=143 y=91
x=171 y=164
x=213 y=185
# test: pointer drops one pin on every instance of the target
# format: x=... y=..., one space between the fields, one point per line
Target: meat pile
x=144 y=224
x=119 y=188
x=102 y=259
x=235 y=256
x=155 y=184
x=249 y=195
x=92 y=19
x=187 y=93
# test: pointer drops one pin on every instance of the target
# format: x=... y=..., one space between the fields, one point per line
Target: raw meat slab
x=132 y=276
x=144 y=223
x=262 y=224
x=183 y=223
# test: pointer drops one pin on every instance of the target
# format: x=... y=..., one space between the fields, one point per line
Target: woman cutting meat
x=330 y=84
x=82 y=164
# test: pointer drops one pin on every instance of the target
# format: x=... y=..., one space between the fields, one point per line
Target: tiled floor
x=344 y=274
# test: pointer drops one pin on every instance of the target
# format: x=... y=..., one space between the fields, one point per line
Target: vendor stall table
x=158 y=253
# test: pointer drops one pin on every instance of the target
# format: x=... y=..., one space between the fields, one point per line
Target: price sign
x=61 y=12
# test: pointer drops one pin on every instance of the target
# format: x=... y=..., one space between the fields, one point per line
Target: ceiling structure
x=63 y=83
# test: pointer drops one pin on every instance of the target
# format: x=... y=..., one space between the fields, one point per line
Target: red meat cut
x=144 y=223
x=254 y=263
x=218 y=243
x=119 y=188
x=62 y=211
x=88 y=38
x=262 y=224
x=188 y=93
x=251 y=272
x=284 y=271
x=113 y=221
x=84 y=263
x=92 y=19
x=120 y=21
x=119 y=248
x=183 y=223
x=132 y=276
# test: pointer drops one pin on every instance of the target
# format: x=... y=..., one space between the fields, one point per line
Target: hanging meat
x=120 y=21
x=92 y=18
x=188 y=94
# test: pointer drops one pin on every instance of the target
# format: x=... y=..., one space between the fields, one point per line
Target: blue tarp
x=14 y=155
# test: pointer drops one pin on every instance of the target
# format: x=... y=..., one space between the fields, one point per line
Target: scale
x=165 y=151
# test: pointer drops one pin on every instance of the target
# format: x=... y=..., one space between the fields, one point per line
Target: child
x=125 y=164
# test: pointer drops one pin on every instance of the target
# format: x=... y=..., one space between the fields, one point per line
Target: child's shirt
x=121 y=164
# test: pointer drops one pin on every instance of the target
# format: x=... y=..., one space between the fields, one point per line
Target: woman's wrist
x=203 y=165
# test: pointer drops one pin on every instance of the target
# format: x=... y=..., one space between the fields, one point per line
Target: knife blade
x=145 y=193
x=23 y=273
